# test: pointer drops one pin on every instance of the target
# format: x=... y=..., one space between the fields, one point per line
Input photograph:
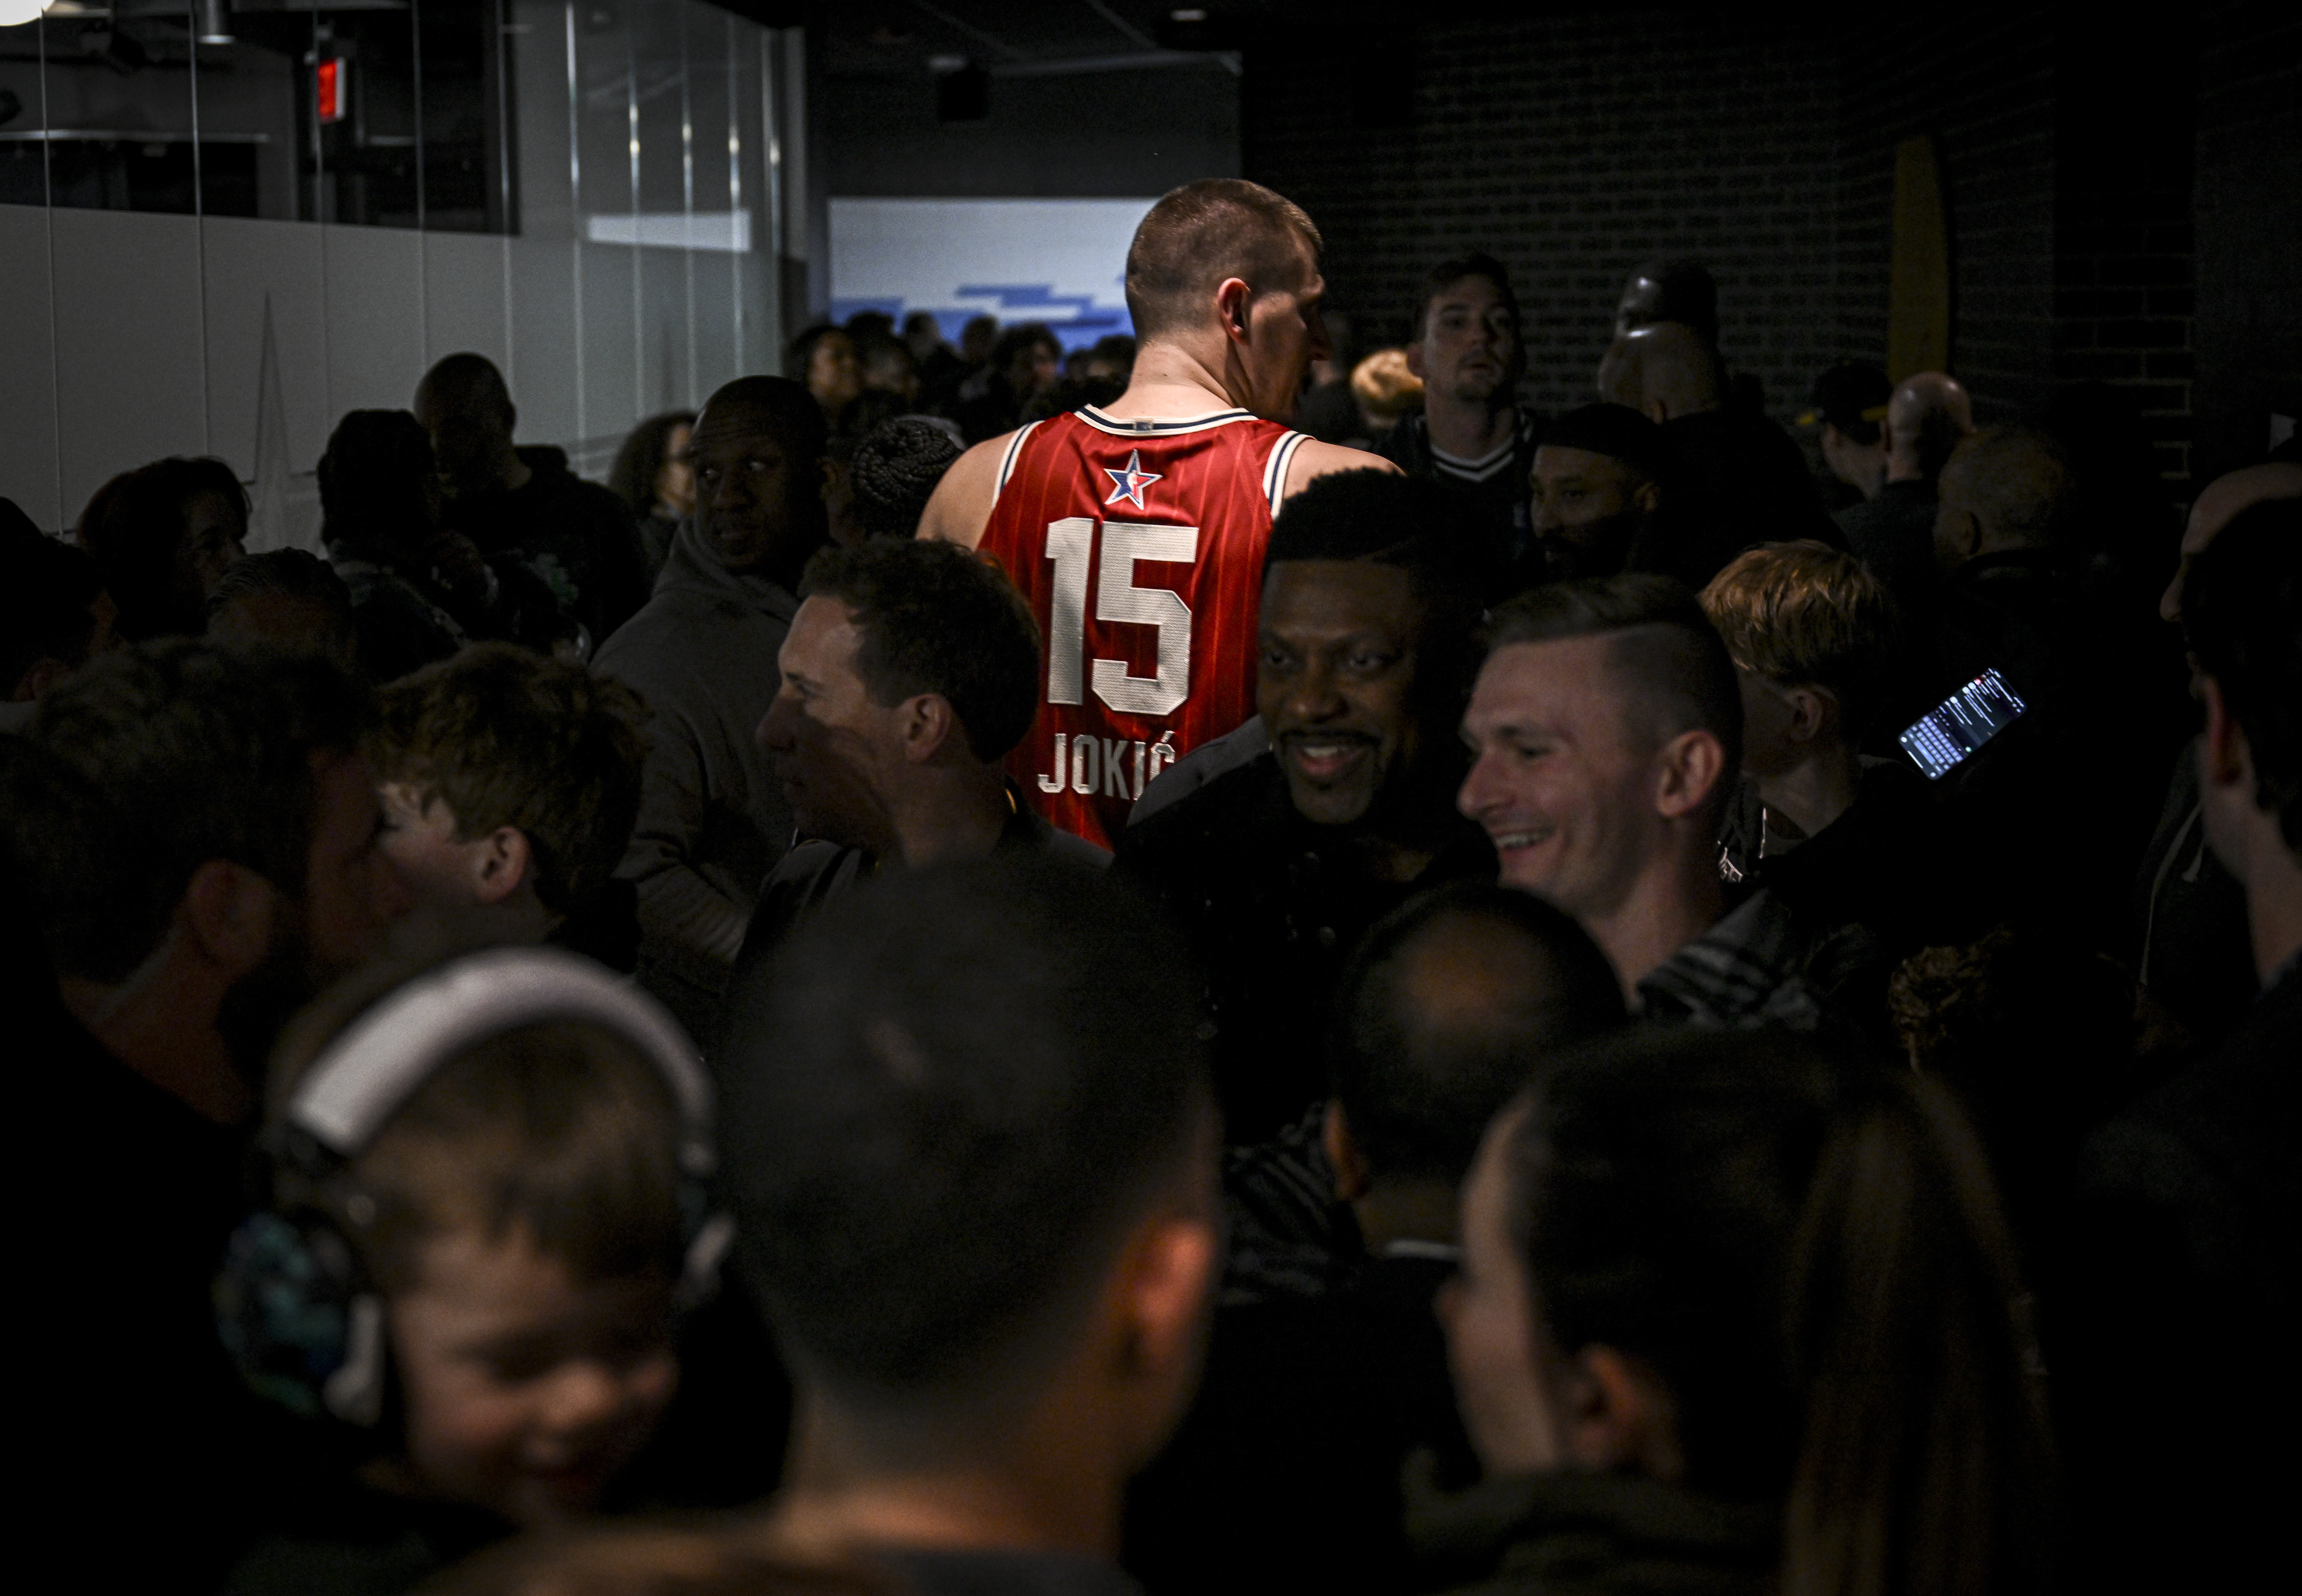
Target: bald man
x=1738 y=477
x=578 y=536
x=2187 y=919
x=1928 y=416
x=2053 y=812
x=713 y=818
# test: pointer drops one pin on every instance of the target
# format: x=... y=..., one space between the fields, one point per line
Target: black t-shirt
x=149 y=1458
x=577 y=536
x=1273 y=905
x=1286 y=1473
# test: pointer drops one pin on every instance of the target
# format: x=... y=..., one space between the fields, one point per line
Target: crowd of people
x=996 y=971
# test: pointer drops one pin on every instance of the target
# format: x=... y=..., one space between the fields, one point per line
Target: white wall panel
x=717 y=360
x=28 y=343
x=464 y=297
x=544 y=340
x=130 y=379
x=610 y=361
x=375 y=318
x=250 y=267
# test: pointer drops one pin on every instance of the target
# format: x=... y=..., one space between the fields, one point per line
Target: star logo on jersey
x=1129 y=483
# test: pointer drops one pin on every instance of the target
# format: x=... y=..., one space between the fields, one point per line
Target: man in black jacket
x=578 y=536
x=2189 y=1254
x=1277 y=867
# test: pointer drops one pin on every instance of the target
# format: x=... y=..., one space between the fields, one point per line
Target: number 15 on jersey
x=1118 y=601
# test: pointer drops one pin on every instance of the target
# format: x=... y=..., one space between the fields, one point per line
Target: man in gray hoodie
x=713 y=819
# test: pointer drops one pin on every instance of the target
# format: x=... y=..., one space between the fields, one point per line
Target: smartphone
x=1943 y=737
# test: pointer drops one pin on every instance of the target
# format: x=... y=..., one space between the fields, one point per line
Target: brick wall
x=2248 y=335
x=2073 y=162
x=1981 y=85
x=1574 y=147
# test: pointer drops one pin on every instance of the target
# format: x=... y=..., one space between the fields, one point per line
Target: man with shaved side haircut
x=577 y=536
x=1606 y=728
x=1137 y=530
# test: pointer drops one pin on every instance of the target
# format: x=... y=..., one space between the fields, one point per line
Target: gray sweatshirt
x=712 y=817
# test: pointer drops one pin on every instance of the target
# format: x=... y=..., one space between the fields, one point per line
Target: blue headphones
x=294 y=1304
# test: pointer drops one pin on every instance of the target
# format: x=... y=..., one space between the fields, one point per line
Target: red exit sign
x=328 y=88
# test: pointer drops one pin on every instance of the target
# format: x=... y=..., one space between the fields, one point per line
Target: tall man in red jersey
x=1137 y=530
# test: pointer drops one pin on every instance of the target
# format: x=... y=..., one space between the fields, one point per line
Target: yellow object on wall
x=1918 y=291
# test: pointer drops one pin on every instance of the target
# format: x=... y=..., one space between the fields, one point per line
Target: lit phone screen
x=1946 y=734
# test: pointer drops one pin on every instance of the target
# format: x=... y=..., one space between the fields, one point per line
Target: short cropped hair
x=942 y=619
x=504 y=736
x=375 y=478
x=132 y=527
x=151 y=760
x=796 y=421
x=1804 y=613
x=1616 y=432
x=1201 y=234
x=297 y=573
x=894 y=473
x=2017 y=481
x=949 y=1098
x=2239 y=609
x=47 y=598
x=1666 y=656
x=1430 y=1040
x=1447 y=273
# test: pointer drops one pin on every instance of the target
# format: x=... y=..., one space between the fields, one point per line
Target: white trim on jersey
x=1475 y=471
x=1148 y=428
x=1007 y=460
x=1275 y=470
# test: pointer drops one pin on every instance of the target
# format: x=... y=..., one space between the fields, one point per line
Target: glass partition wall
x=224 y=223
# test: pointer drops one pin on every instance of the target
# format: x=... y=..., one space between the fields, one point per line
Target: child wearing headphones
x=487 y=1197
x=510 y=784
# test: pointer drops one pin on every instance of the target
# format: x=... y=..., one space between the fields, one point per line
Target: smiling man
x=1137 y=530
x=1606 y=727
x=907 y=677
x=1277 y=867
x=702 y=654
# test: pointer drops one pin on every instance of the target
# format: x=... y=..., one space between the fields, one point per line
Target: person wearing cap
x=1597 y=485
x=1892 y=531
x=1849 y=405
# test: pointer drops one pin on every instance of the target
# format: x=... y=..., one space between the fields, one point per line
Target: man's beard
x=251 y=1015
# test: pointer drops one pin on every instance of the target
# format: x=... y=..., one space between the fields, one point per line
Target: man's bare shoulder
x=1314 y=459
x=960 y=508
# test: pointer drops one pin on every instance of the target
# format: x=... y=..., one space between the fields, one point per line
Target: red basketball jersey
x=1139 y=544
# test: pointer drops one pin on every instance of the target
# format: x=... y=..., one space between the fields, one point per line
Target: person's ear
x=1616 y=1415
x=1415 y=358
x=1234 y=300
x=1166 y=1277
x=1691 y=766
x=502 y=864
x=1352 y=1176
x=927 y=723
x=2224 y=759
x=1648 y=497
x=39 y=677
x=833 y=480
x=1814 y=712
x=1657 y=411
x=231 y=912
